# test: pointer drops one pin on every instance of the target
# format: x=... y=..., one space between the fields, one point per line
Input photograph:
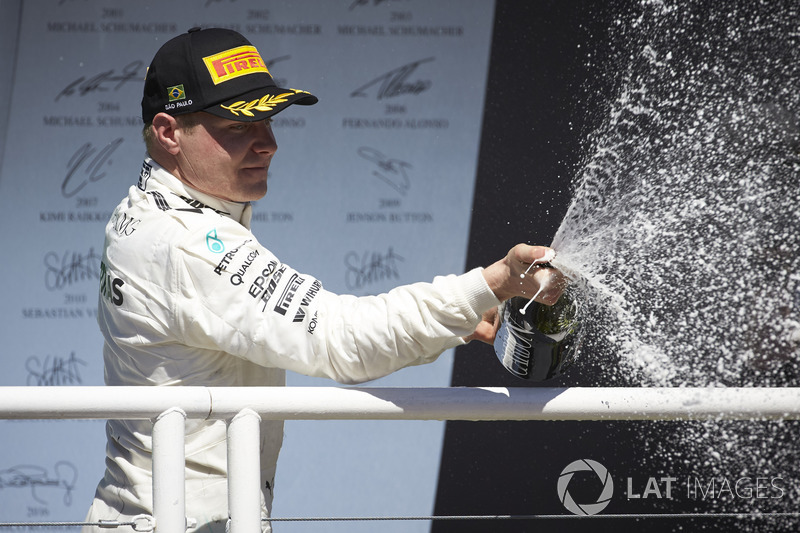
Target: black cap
x=217 y=71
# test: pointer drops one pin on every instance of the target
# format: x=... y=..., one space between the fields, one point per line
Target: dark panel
x=551 y=77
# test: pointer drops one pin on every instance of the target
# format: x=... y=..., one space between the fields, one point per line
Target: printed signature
x=361 y=3
x=37 y=477
x=54 y=371
x=395 y=82
x=86 y=165
x=391 y=171
x=131 y=72
x=370 y=267
x=70 y=268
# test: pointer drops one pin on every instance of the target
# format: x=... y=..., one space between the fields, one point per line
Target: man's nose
x=264 y=138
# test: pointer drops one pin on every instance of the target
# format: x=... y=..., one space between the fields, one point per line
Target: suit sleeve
x=235 y=296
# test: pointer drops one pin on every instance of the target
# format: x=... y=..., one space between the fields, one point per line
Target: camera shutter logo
x=586 y=509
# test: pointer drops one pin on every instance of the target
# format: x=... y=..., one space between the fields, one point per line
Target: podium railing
x=244 y=407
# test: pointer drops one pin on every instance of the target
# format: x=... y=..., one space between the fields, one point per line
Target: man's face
x=226 y=158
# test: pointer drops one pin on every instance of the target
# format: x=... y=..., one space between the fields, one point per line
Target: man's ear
x=165 y=127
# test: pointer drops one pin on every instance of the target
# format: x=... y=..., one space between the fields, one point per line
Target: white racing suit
x=188 y=296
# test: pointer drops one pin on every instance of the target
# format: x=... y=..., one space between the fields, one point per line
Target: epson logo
x=261 y=288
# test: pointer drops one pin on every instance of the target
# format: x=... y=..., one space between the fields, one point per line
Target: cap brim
x=260 y=104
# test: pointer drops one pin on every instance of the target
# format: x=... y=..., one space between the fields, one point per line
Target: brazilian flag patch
x=176 y=93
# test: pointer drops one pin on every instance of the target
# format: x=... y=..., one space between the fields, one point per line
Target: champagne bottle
x=537 y=341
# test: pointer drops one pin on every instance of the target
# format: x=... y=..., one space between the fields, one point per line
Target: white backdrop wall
x=370 y=188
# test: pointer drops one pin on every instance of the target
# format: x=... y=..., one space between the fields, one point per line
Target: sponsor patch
x=257 y=288
x=226 y=260
x=161 y=202
x=110 y=286
x=306 y=301
x=233 y=63
x=288 y=294
x=144 y=175
x=197 y=205
x=214 y=244
x=176 y=93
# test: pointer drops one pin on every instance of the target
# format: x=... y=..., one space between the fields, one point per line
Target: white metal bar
x=142 y=403
x=244 y=475
x=339 y=403
x=169 y=463
x=535 y=403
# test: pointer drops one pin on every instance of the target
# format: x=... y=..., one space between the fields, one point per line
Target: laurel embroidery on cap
x=266 y=103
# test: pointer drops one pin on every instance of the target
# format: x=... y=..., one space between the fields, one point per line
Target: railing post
x=169 y=474
x=244 y=472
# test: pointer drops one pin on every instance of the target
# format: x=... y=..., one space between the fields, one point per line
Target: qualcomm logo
x=603 y=499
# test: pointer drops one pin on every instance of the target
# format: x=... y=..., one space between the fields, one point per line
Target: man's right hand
x=507 y=277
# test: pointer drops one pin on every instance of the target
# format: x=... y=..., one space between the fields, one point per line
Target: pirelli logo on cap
x=233 y=63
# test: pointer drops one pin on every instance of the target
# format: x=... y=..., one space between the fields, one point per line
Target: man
x=190 y=297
